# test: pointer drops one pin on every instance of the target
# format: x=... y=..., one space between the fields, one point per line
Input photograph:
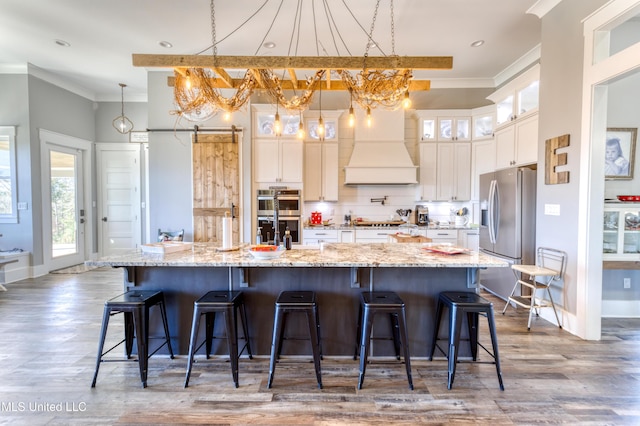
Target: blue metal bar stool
x=226 y=303
x=296 y=302
x=382 y=302
x=462 y=303
x=135 y=306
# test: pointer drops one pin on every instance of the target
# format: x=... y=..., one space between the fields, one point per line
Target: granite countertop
x=352 y=227
x=330 y=255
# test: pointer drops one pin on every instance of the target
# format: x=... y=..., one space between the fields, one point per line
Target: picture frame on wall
x=620 y=152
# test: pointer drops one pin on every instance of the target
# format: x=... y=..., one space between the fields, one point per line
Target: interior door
x=119 y=209
x=63 y=207
x=216 y=186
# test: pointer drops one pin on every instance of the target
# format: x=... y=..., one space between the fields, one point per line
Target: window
x=8 y=192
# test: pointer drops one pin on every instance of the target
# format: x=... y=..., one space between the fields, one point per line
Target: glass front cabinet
x=621 y=232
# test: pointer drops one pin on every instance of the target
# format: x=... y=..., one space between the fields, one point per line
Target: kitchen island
x=337 y=272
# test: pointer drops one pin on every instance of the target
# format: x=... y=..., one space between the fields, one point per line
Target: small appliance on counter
x=422 y=216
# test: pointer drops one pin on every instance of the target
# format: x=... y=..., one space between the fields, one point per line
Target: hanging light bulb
x=320 y=120
x=369 y=119
x=301 y=132
x=352 y=116
x=277 y=126
x=121 y=123
x=227 y=116
x=406 y=102
x=187 y=81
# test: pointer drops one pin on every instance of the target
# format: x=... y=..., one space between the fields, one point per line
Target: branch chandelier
x=380 y=82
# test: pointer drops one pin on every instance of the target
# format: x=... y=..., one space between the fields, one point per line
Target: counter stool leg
x=402 y=326
x=282 y=326
x=358 y=332
x=232 y=338
x=393 y=317
x=494 y=343
x=317 y=316
x=275 y=344
x=103 y=334
x=367 y=323
x=245 y=329
x=454 y=343
x=141 y=323
x=129 y=333
x=195 y=324
x=315 y=344
x=210 y=322
x=472 y=323
x=436 y=329
x=165 y=323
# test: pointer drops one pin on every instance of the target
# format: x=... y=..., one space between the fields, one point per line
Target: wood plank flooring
x=49 y=330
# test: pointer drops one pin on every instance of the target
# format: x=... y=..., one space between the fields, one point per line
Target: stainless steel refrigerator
x=507 y=224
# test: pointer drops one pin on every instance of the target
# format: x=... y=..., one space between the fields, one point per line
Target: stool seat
x=385 y=302
x=226 y=303
x=135 y=305
x=296 y=302
x=461 y=303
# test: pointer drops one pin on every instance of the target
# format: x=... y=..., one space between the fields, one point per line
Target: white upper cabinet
x=517 y=144
x=454 y=172
x=444 y=125
x=518 y=98
x=454 y=128
x=483 y=122
x=428 y=172
x=321 y=171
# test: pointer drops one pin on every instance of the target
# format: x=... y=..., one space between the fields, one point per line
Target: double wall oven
x=289 y=205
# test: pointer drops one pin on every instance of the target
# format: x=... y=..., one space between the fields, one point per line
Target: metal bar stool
x=226 y=303
x=381 y=302
x=460 y=303
x=292 y=302
x=135 y=306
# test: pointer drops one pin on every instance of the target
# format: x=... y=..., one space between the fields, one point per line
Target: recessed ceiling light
x=269 y=45
x=63 y=43
x=165 y=44
x=477 y=43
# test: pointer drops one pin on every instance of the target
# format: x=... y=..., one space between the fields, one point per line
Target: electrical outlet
x=627 y=283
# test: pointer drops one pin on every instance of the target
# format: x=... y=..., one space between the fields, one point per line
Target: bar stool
x=471 y=304
x=381 y=302
x=296 y=302
x=135 y=305
x=226 y=303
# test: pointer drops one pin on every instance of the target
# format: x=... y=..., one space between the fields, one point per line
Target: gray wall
x=170 y=178
x=14 y=111
x=560 y=113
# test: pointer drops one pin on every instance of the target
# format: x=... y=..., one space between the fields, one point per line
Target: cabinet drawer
x=374 y=235
x=442 y=234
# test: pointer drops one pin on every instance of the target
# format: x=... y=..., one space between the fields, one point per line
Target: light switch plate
x=23 y=206
x=552 y=209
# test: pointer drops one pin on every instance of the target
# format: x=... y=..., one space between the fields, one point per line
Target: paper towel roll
x=227 y=232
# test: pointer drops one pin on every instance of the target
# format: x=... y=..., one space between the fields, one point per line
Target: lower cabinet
x=346 y=236
x=469 y=238
x=374 y=235
x=313 y=237
x=443 y=236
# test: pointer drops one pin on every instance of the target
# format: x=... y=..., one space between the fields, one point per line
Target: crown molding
x=542 y=7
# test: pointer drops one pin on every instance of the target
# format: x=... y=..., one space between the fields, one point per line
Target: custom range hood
x=379 y=155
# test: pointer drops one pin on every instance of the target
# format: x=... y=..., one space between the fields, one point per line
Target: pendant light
x=121 y=123
x=277 y=125
x=301 y=131
x=352 y=116
x=320 y=120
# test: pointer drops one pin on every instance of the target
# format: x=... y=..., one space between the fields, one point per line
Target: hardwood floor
x=49 y=330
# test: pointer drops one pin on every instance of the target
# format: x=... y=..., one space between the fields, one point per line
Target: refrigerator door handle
x=491 y=211
x=496 y=221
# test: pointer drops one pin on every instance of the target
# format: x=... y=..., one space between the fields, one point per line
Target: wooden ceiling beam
x=293 y=76
x=224 y=76
x=295 y=62
x=414 y=85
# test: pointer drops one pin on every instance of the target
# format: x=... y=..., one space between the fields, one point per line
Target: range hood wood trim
x=380 y=175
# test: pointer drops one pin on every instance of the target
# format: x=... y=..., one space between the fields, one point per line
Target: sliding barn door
x=215 y=186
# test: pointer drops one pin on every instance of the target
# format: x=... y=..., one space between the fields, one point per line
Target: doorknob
x=104 y=219
x=82 y=220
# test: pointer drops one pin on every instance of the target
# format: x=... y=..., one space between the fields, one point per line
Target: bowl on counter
x=265 y=251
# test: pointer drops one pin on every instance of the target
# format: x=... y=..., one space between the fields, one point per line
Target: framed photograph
x=620 y=152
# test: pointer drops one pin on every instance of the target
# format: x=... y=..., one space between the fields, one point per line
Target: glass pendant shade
x=121 y=123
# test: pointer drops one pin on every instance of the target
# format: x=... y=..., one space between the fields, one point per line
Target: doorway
x=119 y=224
x=65 y=185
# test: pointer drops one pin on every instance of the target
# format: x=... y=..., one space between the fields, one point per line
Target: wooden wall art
x=552 y=160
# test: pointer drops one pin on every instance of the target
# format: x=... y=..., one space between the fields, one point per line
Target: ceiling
x=103 y=35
